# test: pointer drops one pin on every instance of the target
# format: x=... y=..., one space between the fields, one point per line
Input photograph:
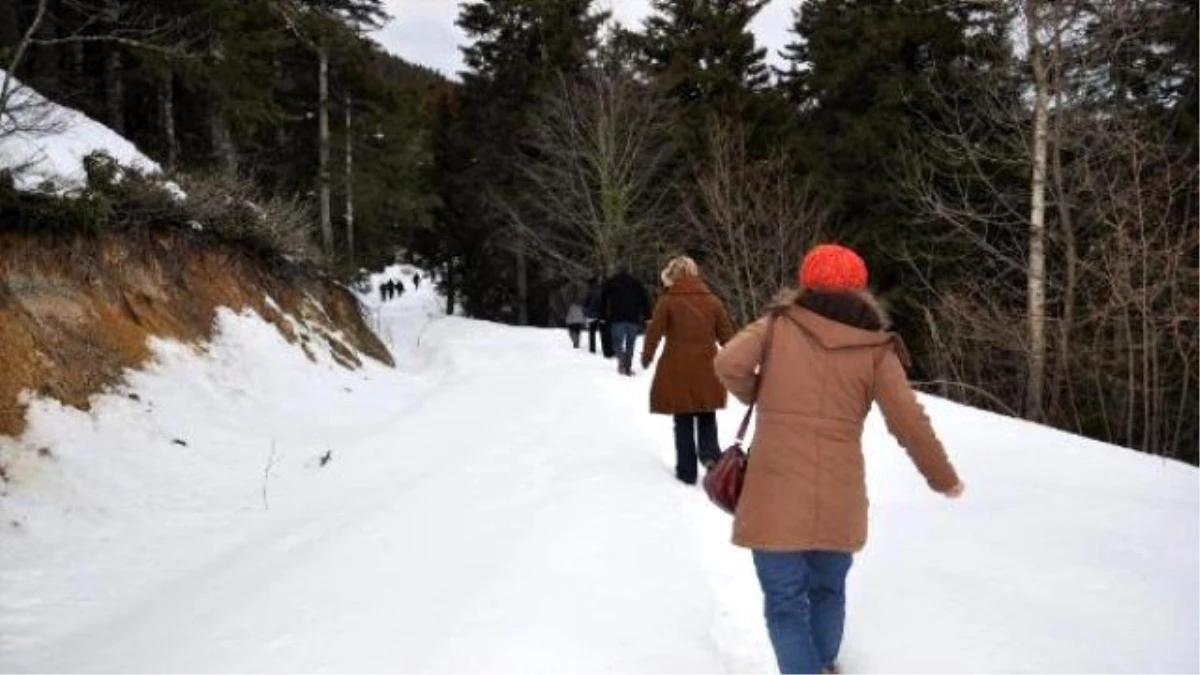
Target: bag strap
x=762 y=368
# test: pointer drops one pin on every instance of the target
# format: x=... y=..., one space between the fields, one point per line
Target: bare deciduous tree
x=1036 y=373
x=1117 y=226
x=596 y=191
x=752 y=218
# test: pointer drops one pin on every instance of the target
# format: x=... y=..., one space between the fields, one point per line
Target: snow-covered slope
x=503 y=503
x=45 y=143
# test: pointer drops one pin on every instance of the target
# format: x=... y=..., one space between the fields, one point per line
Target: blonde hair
x=679 y=268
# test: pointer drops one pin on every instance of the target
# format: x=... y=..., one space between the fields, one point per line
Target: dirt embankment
x=76 y=312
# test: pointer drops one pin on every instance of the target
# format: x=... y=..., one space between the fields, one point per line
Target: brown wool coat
x=693 y=322
x=805 y=487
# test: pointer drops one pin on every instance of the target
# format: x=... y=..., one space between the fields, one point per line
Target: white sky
x=423 y=31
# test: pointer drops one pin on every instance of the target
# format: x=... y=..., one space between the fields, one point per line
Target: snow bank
x=45 y=143
x=503 y=503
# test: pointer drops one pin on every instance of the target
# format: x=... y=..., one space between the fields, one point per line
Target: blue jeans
x=624 y=336
x=805 y=606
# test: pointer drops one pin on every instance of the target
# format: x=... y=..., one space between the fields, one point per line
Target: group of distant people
x=814 y=364
x=394 y=288
x=615 y=309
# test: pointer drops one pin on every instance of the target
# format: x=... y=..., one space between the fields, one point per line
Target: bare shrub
x=234 y=208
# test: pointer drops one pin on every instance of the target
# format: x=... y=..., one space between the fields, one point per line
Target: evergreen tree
x=703 y=54
x=869 y=78
x=519 y=47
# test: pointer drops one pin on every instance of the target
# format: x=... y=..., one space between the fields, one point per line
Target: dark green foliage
x=704 y=53
x=882 y=110
x=519 y=49
x=869 y=77
x=704 y=56
x=250 y=67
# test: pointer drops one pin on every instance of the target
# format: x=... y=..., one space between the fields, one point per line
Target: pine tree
x=519 y=48
x=703 y=54
x=867 y=78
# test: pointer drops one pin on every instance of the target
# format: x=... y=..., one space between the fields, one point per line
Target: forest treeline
x=1021 y=176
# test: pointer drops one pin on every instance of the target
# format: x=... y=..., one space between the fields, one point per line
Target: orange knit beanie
x=830 y=267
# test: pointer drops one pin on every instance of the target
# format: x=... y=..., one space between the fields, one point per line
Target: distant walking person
x=575 y=322
x=383 y=291
x=693 y=322
x=593 y=310
x=803 y=508
x=416 y=281
x=625 y=307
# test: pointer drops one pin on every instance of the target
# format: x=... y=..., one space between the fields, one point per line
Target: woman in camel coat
x=803 y=508
x=693 y=322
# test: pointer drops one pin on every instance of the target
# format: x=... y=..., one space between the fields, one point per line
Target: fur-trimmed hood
x=839 y=320
x=859 y=309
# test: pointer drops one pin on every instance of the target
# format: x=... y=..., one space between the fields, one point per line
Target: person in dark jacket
x=693 y=322
x=592 y=310
x=625 y=306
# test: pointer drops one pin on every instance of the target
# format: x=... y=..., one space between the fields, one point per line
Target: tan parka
x=805 y=486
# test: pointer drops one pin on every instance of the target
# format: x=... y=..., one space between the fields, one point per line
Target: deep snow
x=500 y=502
x=46 y=143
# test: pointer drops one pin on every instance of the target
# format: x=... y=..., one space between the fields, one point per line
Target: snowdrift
x=44 y=143
x=500 y=502
x=77 y=312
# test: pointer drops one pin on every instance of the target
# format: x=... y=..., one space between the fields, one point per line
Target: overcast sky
x=423 y=30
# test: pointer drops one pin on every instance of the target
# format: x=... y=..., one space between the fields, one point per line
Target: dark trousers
x=575 y=330
x=692 y=430
x=805 y=606
x=600 y=327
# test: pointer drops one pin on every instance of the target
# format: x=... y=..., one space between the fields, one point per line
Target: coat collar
x=833 y=334
x=689 y=286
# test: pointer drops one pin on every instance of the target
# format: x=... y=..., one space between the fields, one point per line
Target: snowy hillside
x=503 y=503
x=46 y=143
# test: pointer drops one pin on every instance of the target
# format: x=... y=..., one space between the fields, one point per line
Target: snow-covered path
x=502 y=503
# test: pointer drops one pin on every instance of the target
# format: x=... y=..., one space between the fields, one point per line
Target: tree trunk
x=9 y=35
x=76 y=65
x=222 y=140
x=323 y=145
x=166 y=112
x=14 y=62
x=1036 y=374
x=114 y=86
x=451 y=288
x=224 y=150
x=522 y=286
x=45 y=73
x=1064 y=386
x=281 y=131
x=349 y=182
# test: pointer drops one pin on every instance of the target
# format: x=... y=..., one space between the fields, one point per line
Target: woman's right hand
x=956 y=491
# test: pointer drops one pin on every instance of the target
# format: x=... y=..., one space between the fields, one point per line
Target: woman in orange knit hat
x=803 y=508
